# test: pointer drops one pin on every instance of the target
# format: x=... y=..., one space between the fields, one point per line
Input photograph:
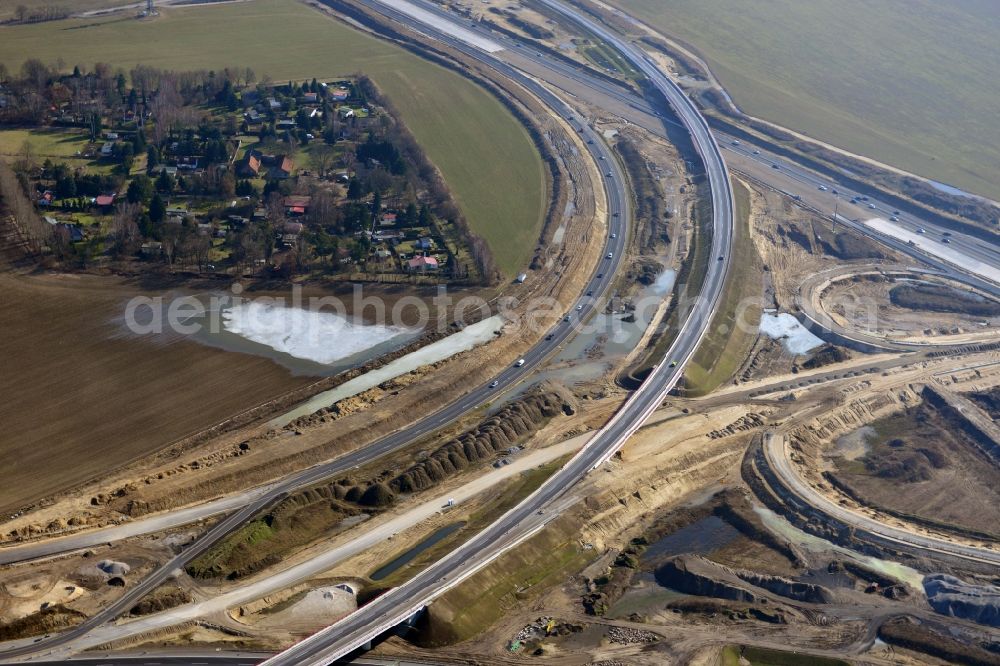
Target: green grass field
x=44 y=143
x=908 y=82
x=486 y=156
x=57 y=145
x=606 y=58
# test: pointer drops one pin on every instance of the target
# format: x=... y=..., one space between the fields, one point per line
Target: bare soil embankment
x=333 y=507
x=922 y=462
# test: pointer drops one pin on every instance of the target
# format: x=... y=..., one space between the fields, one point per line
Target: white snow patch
x=664 y=282
x=323 y=337
x=444 y=25
x=795 y=337
x=466 y=339
x=936 y=248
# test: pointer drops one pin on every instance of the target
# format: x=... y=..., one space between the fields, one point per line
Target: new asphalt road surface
x=402 y=603
x=614 y=250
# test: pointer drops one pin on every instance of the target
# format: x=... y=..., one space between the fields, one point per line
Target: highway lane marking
x=696 y=325
x=446 y=26
x=936 y=248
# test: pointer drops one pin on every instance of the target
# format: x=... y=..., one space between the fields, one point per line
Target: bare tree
x=125 y=234
x=171 y=234
x=303 y=253
x=323 y=157
x=322 y=208
x=197 y=247
x=251 y=250
x=17 y=209
x=275 y=206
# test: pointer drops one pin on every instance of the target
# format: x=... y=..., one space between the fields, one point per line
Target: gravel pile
x=112 y=568
x=628 y=636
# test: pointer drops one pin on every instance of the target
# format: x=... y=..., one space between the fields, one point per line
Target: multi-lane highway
x=834 y=198
x=837 y=198
x=619 y=212
x=523 y=520
x=777 y=171
x=399 y=604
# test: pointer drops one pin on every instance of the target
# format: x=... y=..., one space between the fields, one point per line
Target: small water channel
x=646 y=596
x=782 y=527
x=402 y=560
x=954 y=191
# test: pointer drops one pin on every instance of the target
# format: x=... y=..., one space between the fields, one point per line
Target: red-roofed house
x=283 y=167
x=105 y=200
x=249 y=168
x=297 y=204
x=422 y=264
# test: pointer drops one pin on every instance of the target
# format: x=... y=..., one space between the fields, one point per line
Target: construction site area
x=820 y=485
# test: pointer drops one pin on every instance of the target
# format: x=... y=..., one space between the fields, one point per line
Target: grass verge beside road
x=487 y=158
x=734 y=327
x=518 y=576
x=508 y=497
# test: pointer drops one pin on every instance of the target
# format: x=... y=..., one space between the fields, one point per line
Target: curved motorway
x=619 y=205
x=399 y=604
